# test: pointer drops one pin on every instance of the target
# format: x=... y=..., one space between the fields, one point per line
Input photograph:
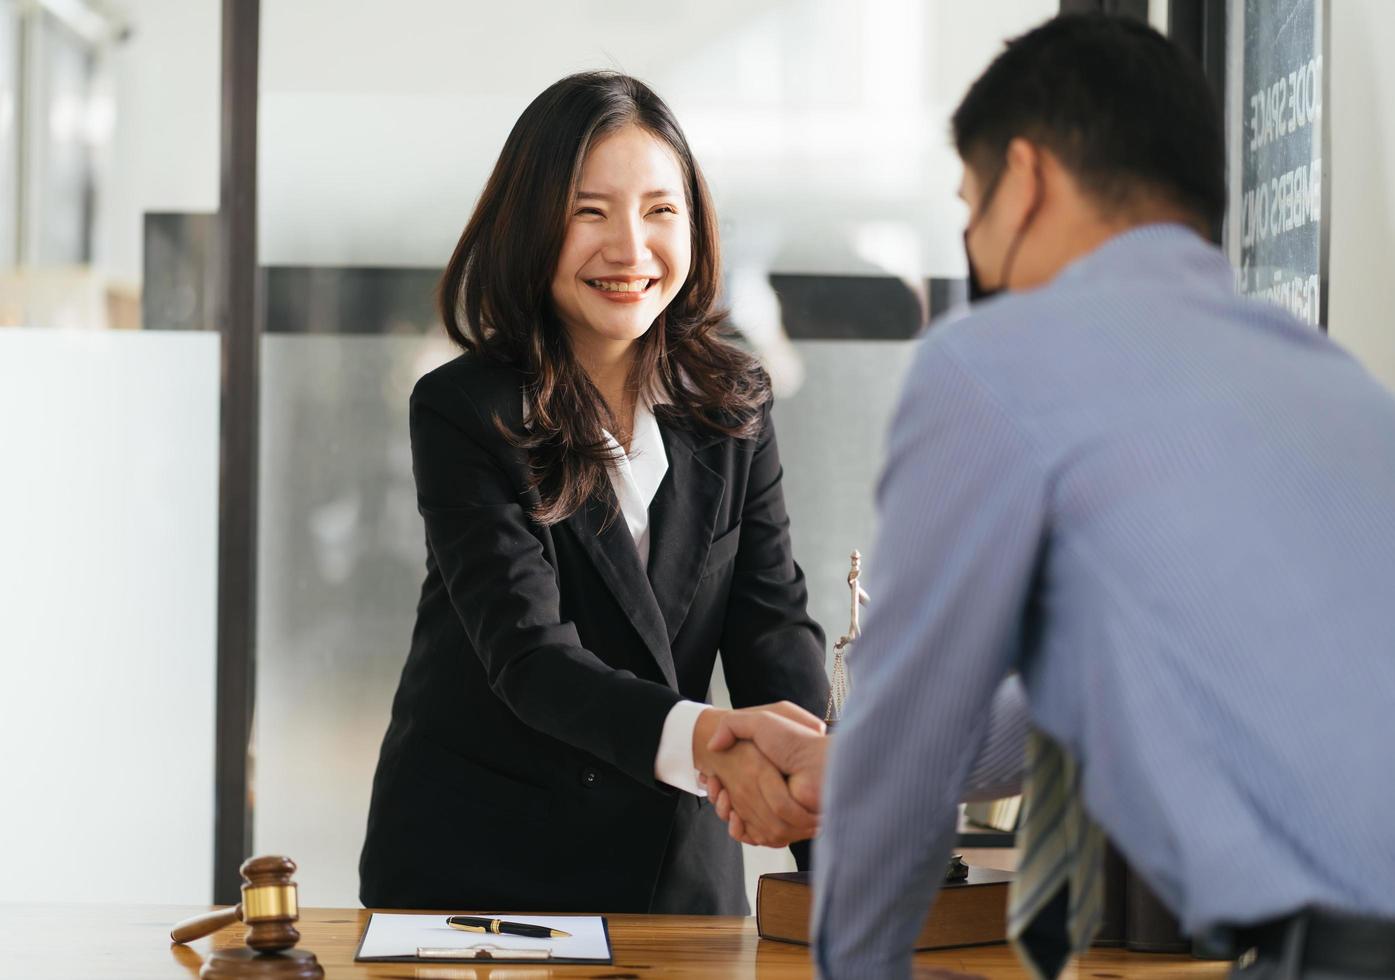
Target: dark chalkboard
x=1276 y=226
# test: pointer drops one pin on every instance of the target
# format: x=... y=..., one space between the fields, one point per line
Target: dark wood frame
x=1325 y=241
x=1137 y=9
x=238 y=320
x=1198 y=27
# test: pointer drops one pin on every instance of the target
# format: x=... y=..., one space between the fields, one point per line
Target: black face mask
x=977 y=290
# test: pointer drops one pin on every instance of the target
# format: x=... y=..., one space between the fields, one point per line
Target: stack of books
x=1000 y=815
x=971 y=912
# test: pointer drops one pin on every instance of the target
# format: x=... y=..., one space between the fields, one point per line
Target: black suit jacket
x=518 y=768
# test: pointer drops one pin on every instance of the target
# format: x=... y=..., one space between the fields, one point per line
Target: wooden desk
x=131 y=942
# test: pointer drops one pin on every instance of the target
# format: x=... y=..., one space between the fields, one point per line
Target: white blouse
x=636 y=477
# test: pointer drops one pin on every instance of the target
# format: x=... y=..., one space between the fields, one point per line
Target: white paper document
x=400 y=935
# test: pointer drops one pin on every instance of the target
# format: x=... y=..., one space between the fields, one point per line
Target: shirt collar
x=647 y=462
x=1153 y=248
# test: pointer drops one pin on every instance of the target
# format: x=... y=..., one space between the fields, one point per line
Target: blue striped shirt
x=1172 y=510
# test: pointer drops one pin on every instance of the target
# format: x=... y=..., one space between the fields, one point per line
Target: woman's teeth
x=610 y=286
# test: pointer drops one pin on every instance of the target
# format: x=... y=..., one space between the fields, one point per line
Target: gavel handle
x=198 y=926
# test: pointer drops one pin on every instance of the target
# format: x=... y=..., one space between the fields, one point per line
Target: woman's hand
x=750 y=791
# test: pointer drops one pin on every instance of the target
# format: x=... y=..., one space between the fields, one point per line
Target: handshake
x=762 y=768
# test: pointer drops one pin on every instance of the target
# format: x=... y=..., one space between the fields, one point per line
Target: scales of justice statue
x=838 y=681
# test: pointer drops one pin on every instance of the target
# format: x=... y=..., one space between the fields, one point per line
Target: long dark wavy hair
x=496 y=301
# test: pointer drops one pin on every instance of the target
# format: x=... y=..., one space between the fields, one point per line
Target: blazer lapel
x=613 y=552
x=682 y=518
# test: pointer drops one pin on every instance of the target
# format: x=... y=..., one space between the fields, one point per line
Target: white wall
x=822 y=124
x=163 y=89
x=1361 y=107
x=108 y=543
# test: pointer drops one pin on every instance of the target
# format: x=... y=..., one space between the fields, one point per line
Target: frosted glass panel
x=342 y=555
x=832 y=439
x=9 y=129
x=108 y=544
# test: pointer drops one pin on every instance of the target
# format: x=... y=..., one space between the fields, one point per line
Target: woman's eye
x=665 y=209
x=588 y=211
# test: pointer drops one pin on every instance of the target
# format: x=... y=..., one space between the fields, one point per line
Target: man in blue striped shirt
x=1169 y=509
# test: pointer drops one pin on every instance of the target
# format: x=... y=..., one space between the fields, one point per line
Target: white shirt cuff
x=674 y=762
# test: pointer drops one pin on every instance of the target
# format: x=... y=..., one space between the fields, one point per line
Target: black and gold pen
x=501 y=927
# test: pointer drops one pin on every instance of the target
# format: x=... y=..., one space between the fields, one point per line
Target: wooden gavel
x=268 y=907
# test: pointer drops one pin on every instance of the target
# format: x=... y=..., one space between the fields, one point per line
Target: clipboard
x=391 y=937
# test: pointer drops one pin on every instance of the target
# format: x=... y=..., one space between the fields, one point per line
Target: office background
x=822 y=125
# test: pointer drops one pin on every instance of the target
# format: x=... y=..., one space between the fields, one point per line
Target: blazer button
x=589 y=777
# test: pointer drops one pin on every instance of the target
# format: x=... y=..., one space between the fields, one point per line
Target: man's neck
x=1090 y=231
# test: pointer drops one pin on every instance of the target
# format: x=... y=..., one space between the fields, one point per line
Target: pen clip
x=455 y=922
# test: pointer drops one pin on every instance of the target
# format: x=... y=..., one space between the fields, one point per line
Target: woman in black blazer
x=566 y=634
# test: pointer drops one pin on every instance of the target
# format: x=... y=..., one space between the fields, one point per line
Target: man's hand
x=798 y=749
x=745 y=779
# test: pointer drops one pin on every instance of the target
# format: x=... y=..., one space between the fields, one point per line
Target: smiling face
x=628 y=246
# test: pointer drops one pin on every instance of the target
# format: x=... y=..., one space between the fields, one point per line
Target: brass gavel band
x=269 y=902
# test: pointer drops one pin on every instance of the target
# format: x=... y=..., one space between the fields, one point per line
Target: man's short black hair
x=1124 y=109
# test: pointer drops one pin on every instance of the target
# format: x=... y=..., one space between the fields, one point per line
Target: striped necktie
x=1056 y=899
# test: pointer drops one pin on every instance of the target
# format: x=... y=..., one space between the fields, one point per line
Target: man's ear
x=1020 y=182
